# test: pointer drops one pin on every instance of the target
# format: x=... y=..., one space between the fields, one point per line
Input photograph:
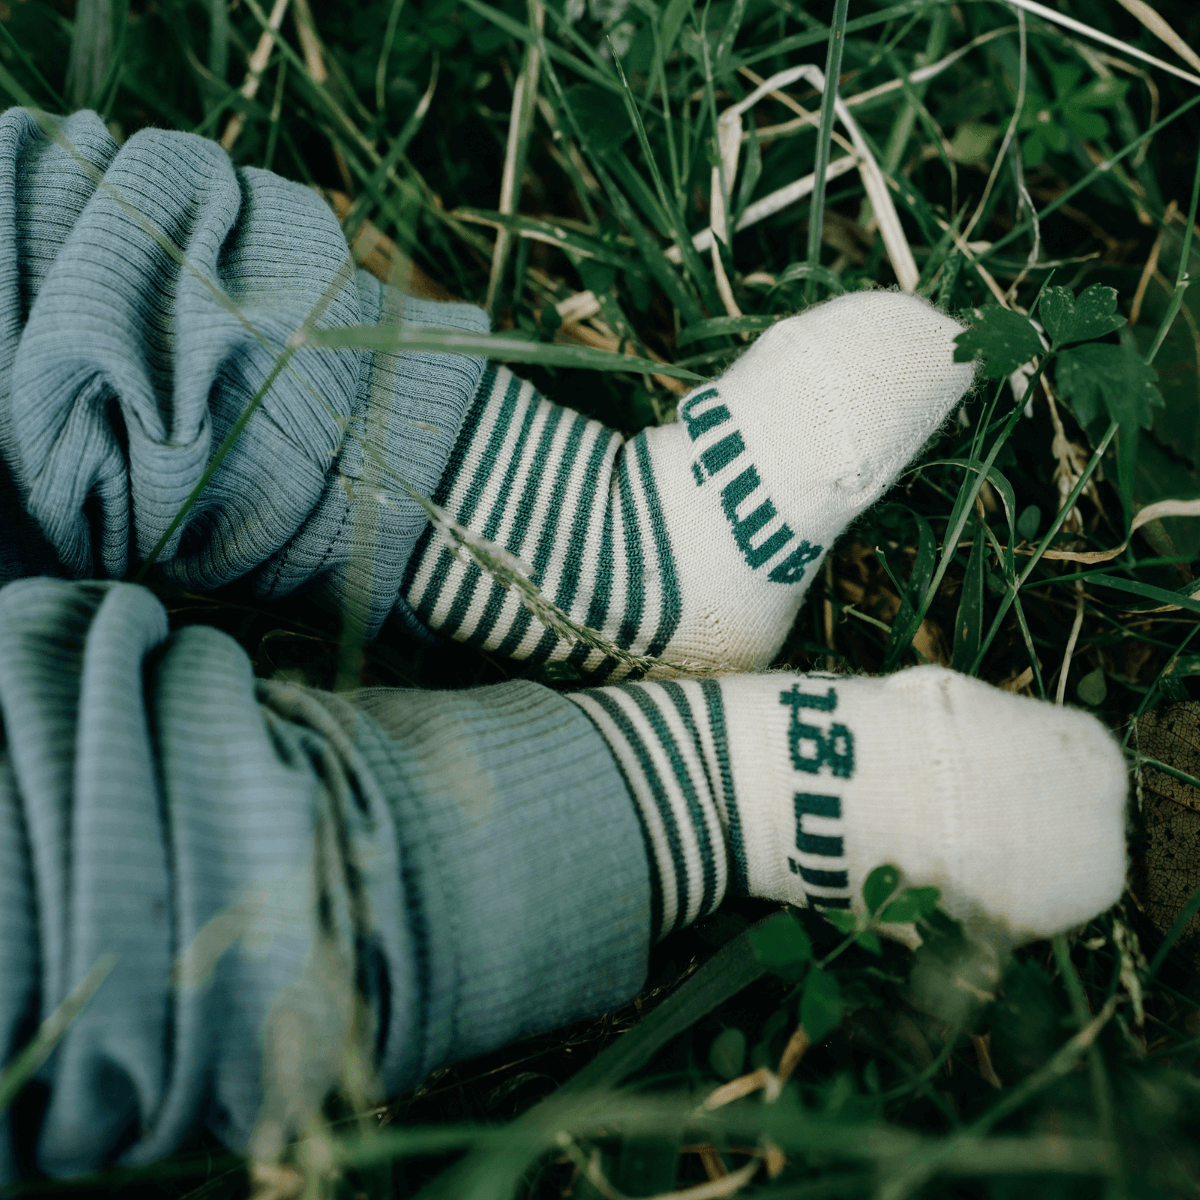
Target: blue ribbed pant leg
x=298 y=891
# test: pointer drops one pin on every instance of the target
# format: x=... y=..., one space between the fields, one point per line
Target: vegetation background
x=554 y=161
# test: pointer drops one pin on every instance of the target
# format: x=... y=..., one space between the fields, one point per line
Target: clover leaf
x=1048 y=124
x=822 y=1005
x=878 y=887
x=911 y=905
x=781 y=945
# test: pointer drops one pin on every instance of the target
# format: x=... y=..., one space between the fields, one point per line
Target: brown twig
x=254 y=72
x=1135 y=309
x=377 y=253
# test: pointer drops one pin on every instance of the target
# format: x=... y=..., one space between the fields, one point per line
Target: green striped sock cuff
x=669 y=742
x=572 y=499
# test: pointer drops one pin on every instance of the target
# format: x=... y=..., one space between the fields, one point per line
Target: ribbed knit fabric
x=671 y=744
x=1014 y=808
x=140 y=317
x=286 y=879
x=694 y=541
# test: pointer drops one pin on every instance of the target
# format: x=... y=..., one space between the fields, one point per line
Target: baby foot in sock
x=693 y=541
x=1013 y=807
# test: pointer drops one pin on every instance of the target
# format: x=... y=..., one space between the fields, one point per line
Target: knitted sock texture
x=577 y=503
x=693 y=541
x=795 y=787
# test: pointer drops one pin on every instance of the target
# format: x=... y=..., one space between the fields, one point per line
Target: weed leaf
x=843 y=922
x=727 y=1054
x=1005 y=340
x=606 y=122
x=822 y=1006
x=1112 y=379
x=911 y=905
x=1091 y=314
x=870 y=941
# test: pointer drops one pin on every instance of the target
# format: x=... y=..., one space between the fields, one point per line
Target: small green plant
x=785 y=949
x=1049 y=123
x=1101 y=380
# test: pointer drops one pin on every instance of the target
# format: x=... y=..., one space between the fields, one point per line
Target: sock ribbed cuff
x=670 y=744
x=697 y=767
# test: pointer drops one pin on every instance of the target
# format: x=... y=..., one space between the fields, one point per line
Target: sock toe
x=864 y=380
x=1031 y=804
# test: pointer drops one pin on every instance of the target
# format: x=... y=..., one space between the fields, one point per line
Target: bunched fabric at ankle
x=146 y=292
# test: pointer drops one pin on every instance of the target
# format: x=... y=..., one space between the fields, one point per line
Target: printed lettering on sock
x=812 y=747
x=817 y=747
x=745 y=523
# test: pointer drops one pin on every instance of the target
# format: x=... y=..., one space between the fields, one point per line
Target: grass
x=520 y=154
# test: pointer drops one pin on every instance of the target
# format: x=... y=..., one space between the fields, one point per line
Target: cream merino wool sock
x=695 y=540
x=798 y=786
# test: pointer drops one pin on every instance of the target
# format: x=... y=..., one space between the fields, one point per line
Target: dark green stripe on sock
x=453 y=467
x=635 y=594
x=597 y=611
x=683 y=778
x=479 y=481
x=670 y=603
x=468 y=587
x=656 y=885
x=684 y=708
x=572 y=554
x=525 y=507
x=549 y=533
x=466 y=435
x=829 y=879
x=716 y=723
x=646 y=764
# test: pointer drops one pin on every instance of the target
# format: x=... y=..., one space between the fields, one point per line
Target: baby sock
x=693 y=541
x=798 y=786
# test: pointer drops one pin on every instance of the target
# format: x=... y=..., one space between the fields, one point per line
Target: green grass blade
x=91 y=51
x=56 y=101
x=638 y=190
x=9 y=83
x=733 y=25
x=14 y=1077
x=1086 y=180
x=962 y=509
x=968 y=624
x=733 y=968
x=501 y=347
x=801 y=41
x=523 y=33
x=683 y=239
x=569 y=240
x=276 y=115
x=722 y=326
x=358 y=213
x=833 y=71
x=676 y=12
x=385 y=53
x=218 y=38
